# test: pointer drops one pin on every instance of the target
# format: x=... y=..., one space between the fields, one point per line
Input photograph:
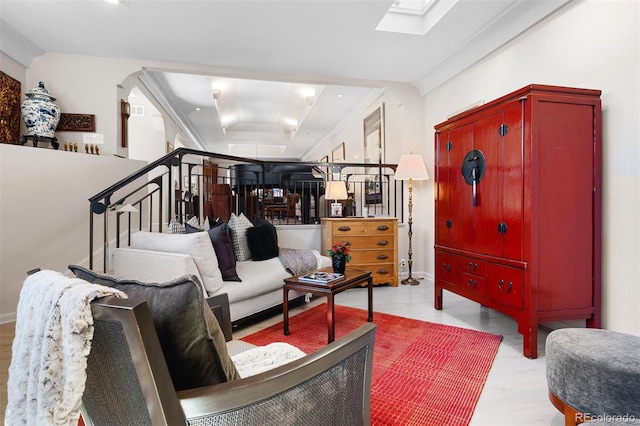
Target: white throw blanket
x=54 y=328
x=263 y=358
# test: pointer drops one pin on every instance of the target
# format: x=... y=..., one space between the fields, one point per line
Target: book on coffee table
x=320 y=277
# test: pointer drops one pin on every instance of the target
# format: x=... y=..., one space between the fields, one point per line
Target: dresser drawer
x=472 y=266
x=372 y=256
x=374 y=242
x=446 y=267
x=363 y=228
x=472 y=284
x=382 y=274
x=505 y=285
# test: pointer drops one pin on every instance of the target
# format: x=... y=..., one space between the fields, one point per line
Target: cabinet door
x=513 y=181
x=488 y=203
x=454 y=216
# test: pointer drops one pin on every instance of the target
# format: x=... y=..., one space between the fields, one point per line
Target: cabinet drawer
x=374 y=242
x=362 y=228
x=372 y=256
x=505 y=285
x=382 y=274
x=446 y=267
x=472 y=284
x=472 y=266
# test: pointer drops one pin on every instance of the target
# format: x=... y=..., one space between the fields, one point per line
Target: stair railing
x=152 y=192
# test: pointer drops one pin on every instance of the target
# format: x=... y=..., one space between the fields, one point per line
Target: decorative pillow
x=176 y=227
x=223 y=247
x=191 y=229
x=238 y=226
x=262 y=240
x=197 y=245
x=206 y=224
x=221 y=240
x=192 y=341
x=194 y=221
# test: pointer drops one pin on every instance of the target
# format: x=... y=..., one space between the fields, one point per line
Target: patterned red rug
x=423 y=373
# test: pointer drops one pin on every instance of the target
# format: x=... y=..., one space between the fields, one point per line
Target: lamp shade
x=411 y=166
x=127 y=208
x=335 y=190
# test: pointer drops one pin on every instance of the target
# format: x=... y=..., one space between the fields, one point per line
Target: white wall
x=404 y=133
x=44 y=211
x=595 y=45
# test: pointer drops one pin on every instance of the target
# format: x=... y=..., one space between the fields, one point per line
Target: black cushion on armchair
x=192 y=342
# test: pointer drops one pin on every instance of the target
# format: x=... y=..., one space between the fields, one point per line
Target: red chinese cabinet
x=517 y=209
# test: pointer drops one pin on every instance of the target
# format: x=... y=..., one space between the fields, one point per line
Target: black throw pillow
x=222 y=245
x=262 y=239
x=221 y=240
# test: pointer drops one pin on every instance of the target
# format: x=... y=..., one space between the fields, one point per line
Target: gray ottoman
x=594 y=372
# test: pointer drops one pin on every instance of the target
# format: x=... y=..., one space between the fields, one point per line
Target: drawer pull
x=382 y=256
x=472 y=283
x=383 y=271
x=344 y=228
x=382 y=228
x=383 y=242
x=472 y=266
x=446 y=267
x=504 y=288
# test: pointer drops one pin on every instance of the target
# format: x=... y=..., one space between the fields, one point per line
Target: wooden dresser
x=374 y=244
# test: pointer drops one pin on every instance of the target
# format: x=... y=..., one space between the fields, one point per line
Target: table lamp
x=335 y=190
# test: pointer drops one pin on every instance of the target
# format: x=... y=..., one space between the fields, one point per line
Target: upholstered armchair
x=128 y=381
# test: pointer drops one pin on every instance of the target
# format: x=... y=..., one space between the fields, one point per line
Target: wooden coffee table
x=352 y=278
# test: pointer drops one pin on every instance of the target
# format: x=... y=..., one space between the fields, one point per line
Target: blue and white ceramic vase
x=40 y=114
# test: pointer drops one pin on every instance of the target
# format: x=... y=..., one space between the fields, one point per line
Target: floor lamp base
x=410 y=281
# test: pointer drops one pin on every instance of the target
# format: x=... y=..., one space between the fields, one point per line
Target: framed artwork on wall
x=338 y=153
x=77 y=123
x=9 y=109
x=373 y=129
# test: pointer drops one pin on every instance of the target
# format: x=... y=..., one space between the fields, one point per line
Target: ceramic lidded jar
x=40 y=114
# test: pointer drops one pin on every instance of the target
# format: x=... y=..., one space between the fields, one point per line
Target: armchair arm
x=219 y=304
x=338 y=376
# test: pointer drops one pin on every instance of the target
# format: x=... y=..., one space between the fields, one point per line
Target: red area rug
x=423 y=373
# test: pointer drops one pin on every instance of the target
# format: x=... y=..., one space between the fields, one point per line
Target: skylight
x=414 y=16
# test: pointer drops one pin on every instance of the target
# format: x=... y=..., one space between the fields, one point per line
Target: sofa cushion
x=197 y=245
x=238 y=226
x=221 y=240
x=262 y=240
x=192 y=341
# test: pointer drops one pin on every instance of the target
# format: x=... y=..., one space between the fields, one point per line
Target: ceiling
x=287 y=74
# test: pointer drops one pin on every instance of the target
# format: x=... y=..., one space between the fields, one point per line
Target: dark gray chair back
x=128 y=381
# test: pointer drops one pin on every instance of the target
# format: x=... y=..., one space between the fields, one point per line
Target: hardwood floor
x=515 y=392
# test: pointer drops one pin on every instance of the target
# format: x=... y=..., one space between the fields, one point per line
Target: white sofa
x=161 y=257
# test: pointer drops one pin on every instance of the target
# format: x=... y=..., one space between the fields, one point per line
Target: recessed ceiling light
x=122 y=2
x=197 y=109
x=340 y=95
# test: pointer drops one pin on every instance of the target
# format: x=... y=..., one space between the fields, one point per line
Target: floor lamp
x=411 y=167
